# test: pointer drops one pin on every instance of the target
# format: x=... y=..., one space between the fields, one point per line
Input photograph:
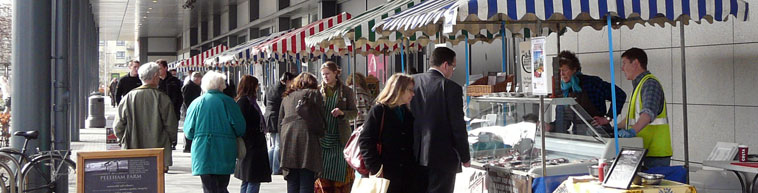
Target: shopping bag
x=372 y=184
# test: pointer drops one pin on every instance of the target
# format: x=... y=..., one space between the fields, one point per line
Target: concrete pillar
x=143 y=49
x=74 y=61
x=82 y=88
x=31 y=53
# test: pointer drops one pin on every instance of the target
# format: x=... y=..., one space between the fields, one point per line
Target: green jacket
x=213 y=123
x=146 y=119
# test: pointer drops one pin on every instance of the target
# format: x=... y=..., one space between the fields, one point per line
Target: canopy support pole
x=468 y=98
x=502 y=40
x=402 y=54
x=613 y=83
x=684 y=103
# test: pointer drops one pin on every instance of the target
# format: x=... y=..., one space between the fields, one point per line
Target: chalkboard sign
x=624 y=168
x=123 y=171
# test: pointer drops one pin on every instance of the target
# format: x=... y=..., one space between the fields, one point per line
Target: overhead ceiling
x=127 y=20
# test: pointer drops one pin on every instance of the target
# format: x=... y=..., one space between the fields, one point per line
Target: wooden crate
x=480 y=87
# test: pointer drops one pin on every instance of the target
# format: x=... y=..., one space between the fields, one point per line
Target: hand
x=467 y=164
x=627 y=133
x=337 y=112
x=548 y=128
x=600 y=121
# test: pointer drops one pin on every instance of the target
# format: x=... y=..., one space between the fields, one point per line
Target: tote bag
x=372 y=184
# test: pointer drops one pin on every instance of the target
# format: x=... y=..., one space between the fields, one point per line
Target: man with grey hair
x=128 y=81
x=146 y=117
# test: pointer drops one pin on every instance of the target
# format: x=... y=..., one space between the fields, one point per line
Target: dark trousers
x=402 y=179
x=215 y=183
x=300 y=181
x=436 y=181
x=187 y=145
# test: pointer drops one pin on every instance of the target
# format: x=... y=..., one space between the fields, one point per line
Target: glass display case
x=504 y=137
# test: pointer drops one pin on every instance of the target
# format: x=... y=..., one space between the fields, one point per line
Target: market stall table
x=737 y=168
x=582 y=186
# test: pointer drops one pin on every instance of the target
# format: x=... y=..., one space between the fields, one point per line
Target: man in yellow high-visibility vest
x=647 y=110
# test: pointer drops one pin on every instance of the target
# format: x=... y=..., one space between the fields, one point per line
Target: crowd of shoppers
x=414 y=131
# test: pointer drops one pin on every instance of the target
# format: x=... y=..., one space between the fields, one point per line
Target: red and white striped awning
x=200 y=59
x=293 y=42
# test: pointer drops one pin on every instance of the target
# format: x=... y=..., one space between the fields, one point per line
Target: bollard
x=96 y=116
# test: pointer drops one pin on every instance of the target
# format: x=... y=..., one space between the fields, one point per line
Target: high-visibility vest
x=656 y=136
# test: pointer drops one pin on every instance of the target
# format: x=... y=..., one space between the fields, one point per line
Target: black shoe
x=186 y=151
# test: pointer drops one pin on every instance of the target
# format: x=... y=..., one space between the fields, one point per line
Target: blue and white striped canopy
x=244 y=50
x=474 y=15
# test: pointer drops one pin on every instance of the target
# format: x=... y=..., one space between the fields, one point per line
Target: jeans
x=215 y=183
x=273 y=153
x=300 y=181
x=651 y=162
x=250 y=187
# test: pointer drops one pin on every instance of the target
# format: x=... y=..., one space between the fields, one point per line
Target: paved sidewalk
x=179 y=178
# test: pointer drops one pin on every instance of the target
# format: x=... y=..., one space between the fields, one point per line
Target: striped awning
x=358 y=30
x=293 y=42
x=474 y=15
x=211 y=55
x=243 y=52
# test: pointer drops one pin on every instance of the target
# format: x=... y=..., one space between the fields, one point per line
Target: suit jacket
x=440 y=137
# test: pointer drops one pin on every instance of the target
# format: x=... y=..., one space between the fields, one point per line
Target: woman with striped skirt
x=339 y=107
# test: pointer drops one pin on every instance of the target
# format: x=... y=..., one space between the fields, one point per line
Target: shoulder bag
x=352 y=152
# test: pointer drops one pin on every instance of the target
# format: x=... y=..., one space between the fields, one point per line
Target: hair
x=394 y=89
x=133 y=61
x=360 y=80
x=197 y=75
x=213 y=81
x=636 y=54
x=305 y=80
x=569 y=59
x=441 y=55
x=287 y=76
x=162 y=62
x=331 y=66
x=148 y=71
x=247 y=87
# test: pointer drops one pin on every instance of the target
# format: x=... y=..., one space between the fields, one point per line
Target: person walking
x=389 y=123
x=339 y=107
x=440 y=137
x=145 y=116
x=112 y=91
x=213 y=123
x=273 y=100
x=254 y=167
x=363 y=99
x=129 y=81
x=301 y=151
x=172 y=86
x=190 y=92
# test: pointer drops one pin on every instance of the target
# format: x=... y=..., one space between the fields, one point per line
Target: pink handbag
x=352 y=152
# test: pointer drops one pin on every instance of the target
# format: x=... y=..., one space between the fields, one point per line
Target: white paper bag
x=372 y=184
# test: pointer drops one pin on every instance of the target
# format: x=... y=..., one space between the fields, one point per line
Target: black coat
x=273 y=102
x=440 y=137
x=254 y=167
x=172 y=86
x=396 y=139
x=190 y=92
x=126 y=84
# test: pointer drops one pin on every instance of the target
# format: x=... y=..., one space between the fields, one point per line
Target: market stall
x=475 y=15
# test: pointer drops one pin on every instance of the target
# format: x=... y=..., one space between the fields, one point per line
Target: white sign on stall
x=525 y=63
x=540 y=75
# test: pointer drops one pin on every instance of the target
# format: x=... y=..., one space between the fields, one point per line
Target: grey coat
x=300 y=147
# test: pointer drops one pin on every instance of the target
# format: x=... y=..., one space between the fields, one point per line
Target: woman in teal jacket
x=213 y=123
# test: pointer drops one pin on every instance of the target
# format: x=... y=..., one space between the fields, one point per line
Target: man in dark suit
x=440 y=138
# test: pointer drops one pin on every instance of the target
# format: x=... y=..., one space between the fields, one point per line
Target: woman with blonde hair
x=339 y=107
x=300 y=149
x=387 y=138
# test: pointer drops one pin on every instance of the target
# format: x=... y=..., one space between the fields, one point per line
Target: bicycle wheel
x=36 y=175
x=7 y=179
x=16 y=154
x=8 y=172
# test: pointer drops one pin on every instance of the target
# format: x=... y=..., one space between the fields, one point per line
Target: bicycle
x=41 y=171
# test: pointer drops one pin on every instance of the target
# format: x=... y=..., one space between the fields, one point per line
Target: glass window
x=120 y=55
x=120 y=43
